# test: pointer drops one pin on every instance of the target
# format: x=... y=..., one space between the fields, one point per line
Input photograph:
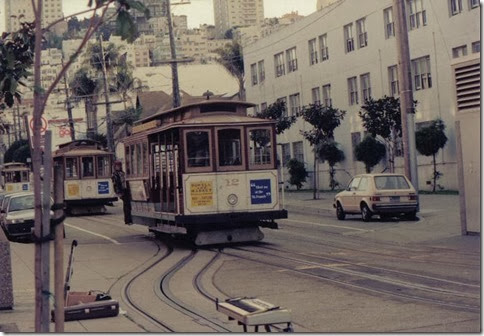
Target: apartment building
x=232 y=13
x=17 y=11
x=346 y=52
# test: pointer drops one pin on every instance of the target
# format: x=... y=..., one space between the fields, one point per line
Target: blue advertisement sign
x=260 y=191
x=25 y=186
x=103 y=187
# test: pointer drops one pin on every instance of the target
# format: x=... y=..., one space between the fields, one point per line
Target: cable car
x=87 y=170
x=16 y=177
x=205 y=170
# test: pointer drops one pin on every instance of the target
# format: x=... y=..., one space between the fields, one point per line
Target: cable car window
x=87 y=166
x=139 y=160
x=132 y=160
x=103 y=166
x=25 y=176
x=145 y=159
x=260 y=147
x=128 y=161
x=198 y=149
x=229 y=147
x=71 y=168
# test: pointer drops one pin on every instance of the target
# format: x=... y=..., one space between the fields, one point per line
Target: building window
x=362 y=34
x=476 y=47
x=295 y=104
x=418 y=15
x=474 y=3
x=286 y=153
x=459 y=51
x=389 y=22
x=421 y=73
x=262 y=71
x=316 y=95
x=323 y=46
x=355 y=141
x=352 y=91
x=313 y=52
x=455 y=7
x=279 y=64
x=349 y=41
x=253 y=73
x=327 y=95
x=297 y=150
x=393 y=80
x=291 y=60
x=283 y=100
x=365 y=86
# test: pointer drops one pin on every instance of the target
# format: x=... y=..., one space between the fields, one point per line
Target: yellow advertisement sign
x=9 y=187
x=201 y=193
x=72 y=190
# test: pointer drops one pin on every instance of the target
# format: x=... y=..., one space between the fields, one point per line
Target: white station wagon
x=386 y=195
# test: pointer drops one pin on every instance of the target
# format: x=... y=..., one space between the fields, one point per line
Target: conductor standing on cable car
x=121 y=188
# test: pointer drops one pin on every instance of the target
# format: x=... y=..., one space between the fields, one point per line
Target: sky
x=198 y=11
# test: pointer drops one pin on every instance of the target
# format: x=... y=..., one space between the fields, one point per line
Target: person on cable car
x=121 y=188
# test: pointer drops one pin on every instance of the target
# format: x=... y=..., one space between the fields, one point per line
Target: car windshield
x=391 y=182
x=21 y=203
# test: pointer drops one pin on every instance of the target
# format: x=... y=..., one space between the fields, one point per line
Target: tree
x=370 y=151
x=232 y=60
x=297 y=173
x=324 y=120
x=382 y=118
x=86 y=88
x=328 y=150
x=19 y=151
x=277 y=111
x=429 y=140
x=18 y=54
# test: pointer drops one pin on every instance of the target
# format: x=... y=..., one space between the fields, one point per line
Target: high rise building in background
x=17 y=11
x=237 y=13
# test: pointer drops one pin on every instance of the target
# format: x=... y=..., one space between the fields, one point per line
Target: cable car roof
x=81 y=152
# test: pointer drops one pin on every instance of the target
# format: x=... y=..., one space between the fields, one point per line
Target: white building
x=17 y=11
x=346 y=52
x=232 y=13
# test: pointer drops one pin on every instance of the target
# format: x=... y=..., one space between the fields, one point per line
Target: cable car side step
x=228 y=236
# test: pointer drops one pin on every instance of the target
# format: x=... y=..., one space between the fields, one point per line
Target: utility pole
x=68 y=104
x=406 y=93
x=174 y=66
x=109 y=125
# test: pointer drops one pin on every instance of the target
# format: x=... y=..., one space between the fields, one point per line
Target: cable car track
x=363 y=280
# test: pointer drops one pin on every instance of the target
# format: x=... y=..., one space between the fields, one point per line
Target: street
x=334 y=276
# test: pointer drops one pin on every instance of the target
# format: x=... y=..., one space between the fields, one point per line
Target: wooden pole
x=406 y=92
x=59 y=250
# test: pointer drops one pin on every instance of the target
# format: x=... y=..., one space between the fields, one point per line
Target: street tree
x=324 y=119
x=328 y=150
x=382 y=118
x=20 y=55
x=18 y=151
x=429 y=140
x=370 y=151
x=277 y=112
x=297 y=173
x=231 y=58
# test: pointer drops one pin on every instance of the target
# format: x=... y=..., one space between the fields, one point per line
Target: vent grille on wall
x=468 y=86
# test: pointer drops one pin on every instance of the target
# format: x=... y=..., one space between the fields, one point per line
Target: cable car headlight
x=232 y=199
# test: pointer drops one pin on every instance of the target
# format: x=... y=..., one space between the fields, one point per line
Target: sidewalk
x=439 y=224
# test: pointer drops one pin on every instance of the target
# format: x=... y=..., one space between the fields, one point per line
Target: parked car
x=18 y=215
x=386 y=195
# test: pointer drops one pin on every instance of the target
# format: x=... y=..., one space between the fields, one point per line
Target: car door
x=360 y=193
x=350 y=202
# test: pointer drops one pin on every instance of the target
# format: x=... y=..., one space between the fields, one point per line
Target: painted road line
x=94 y=233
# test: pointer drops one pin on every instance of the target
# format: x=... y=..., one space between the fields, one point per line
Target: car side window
x=354 y=184
x=363 y=184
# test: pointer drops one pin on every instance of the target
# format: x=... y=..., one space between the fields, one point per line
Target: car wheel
x=365 y=213
x=340 y=213
x=411 y=215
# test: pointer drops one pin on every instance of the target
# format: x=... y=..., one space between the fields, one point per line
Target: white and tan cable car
x=87 y=170
x=205 y=170
x=16 y=177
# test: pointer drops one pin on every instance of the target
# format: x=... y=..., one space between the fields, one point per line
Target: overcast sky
x=198 y=11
